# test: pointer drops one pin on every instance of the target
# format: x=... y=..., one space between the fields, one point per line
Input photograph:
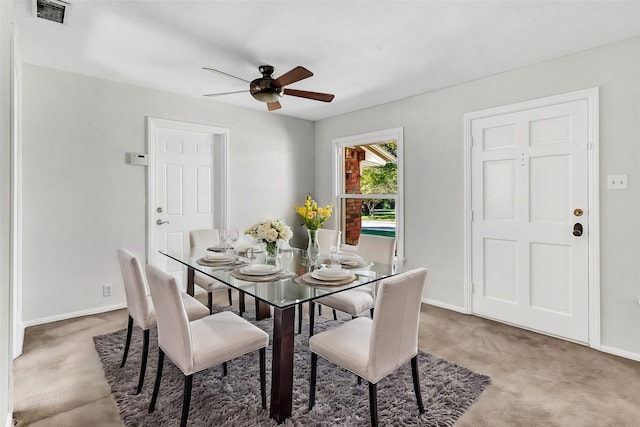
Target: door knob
x=577 y=229
x=160 y=222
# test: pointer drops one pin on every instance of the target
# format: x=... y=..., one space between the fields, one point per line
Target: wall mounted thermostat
x=139 y=159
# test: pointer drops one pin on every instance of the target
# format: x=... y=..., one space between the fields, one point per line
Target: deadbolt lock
x=577 y=212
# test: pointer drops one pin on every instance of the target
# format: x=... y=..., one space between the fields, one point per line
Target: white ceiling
x=365 y=52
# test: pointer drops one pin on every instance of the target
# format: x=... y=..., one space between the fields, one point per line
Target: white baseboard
x=444 y=305
x=9 y=422
x=18 y=337
x=81 y=313
x=621 y=353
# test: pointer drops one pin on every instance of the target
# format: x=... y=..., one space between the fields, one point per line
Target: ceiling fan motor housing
x=264 y=88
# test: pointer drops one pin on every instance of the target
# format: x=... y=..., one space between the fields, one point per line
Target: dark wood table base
x=282 y=364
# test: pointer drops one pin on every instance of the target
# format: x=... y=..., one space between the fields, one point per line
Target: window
x=368 y=186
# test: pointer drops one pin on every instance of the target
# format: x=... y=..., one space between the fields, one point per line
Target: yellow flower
x=313 y=215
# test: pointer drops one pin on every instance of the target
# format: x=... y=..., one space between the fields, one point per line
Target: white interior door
x=529 y=191
x=187 y=187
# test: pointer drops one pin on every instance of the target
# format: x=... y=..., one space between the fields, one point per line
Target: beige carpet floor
x=537 y=380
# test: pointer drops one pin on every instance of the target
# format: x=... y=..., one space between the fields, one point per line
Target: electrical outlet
x=106 y=290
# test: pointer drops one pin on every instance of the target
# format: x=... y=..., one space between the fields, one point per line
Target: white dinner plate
x=260 y=269
x=217 y=257
x=331 y=274
x=348 y=257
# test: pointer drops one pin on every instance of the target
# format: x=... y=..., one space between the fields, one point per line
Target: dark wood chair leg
x=230 y=297
x=335 y=314
x=312 y=317
x=156 y=386
x=224 y=369
x=299 y=319
x=126 y=346
x=263 y=376
x=371 y=311
x=359 y=380
x=312 y=381
x=143 y=362
x=210 y=302
x=186 y=400
x=319 y=310
x=416 y=382
x=373 y=404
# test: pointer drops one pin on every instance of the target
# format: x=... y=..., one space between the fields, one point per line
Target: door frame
x=221 y=173
x=593 y=165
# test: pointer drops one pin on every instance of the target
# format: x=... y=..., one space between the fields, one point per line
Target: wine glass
x=333 y=256
x=233 y=236
x=287 y=258
x=224 y=234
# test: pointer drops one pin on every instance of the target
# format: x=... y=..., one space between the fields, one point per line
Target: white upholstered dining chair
x=197 y=345
x=203 y=239
x=327 y=238
x=356 y=301
x=374 y=348
x=140 y=306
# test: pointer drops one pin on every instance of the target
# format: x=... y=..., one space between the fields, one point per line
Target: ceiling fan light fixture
x=266 y=95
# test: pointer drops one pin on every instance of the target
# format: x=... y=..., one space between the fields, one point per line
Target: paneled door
x=187 y=187
x=530 y=218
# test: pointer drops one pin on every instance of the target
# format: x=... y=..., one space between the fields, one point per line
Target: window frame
x=370 y=138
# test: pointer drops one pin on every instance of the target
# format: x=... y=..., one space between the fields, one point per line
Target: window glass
x=369 y=178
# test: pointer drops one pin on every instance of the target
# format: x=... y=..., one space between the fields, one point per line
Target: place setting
x=219 y=259
x=327 y=276
x=347 y=261
x=259 y=273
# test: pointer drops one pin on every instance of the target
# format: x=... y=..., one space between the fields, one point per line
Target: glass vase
x=271 y=252
x=313 y=248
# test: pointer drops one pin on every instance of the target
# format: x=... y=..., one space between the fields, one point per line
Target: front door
x=530 y=217
x=187 y=187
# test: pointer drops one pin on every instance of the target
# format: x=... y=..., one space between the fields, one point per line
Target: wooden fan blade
x=275 y=105
x=226 y=93
x=295 y=75
x=225 y=74
x=325 y=97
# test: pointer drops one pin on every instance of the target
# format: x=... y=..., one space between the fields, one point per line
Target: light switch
x=617 y=182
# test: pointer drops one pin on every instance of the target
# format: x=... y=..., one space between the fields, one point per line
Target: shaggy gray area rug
x=447 y=388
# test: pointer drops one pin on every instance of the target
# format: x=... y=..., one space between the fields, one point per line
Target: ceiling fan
x=269 y=90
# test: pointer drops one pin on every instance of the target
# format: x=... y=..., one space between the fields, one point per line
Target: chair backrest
x=204 y=238
x=174 y=334
x=327 y=238
x=377 y=248
x=135 y=288
x=394 y=330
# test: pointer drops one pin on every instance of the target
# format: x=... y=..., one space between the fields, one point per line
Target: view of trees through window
x=370 y=188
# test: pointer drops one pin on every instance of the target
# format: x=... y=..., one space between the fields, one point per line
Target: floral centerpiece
x=270 y=231
x=313 y=216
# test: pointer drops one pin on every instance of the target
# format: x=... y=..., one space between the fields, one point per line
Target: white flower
x=270 y=230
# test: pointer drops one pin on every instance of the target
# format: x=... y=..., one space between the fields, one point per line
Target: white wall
x=433 y=143
x=6 y=299
x=82 y=202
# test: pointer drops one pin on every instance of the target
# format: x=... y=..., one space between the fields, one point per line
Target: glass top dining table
x=283 y=294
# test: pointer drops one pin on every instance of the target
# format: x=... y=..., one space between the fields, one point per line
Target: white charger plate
x=260 y=270
x=217 y=257
x=331 y=274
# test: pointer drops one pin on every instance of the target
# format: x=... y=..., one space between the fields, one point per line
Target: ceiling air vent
x=52 y=10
